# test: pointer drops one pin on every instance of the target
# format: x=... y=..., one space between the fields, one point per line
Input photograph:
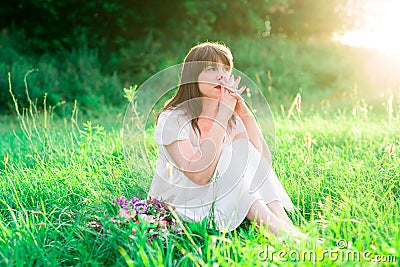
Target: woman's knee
x=259 y=212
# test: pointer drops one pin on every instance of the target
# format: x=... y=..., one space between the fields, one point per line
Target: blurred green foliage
x=51 y=25
x=90 y=50
x=325 y=73
x=65 y=76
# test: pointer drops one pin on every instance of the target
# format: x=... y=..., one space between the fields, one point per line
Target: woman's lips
x=219 y=88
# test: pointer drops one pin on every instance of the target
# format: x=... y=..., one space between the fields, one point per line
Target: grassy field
x=338 y=158
x=341 y=171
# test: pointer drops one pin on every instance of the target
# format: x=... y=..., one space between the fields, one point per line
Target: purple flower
x=134 y=200
x=151 y=210
x=157 y=204
x=121 y=201
x=140 y=207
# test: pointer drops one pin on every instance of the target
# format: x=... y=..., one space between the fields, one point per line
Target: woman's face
x=210 y=79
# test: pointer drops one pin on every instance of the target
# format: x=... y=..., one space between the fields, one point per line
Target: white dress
x=242 y=176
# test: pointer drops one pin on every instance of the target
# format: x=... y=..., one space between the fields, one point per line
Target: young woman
x=213 y=160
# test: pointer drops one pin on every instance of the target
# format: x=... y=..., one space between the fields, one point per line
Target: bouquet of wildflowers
x=156 y=214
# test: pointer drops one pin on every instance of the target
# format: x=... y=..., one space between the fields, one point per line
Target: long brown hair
x=188 y=88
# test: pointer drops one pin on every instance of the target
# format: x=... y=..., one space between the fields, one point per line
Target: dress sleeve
x=171 y=126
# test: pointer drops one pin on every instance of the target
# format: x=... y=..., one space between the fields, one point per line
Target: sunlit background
x=381 y=29
x=378 y=32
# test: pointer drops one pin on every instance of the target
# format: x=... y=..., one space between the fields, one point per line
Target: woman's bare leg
x=277 y=208
x=266 y=217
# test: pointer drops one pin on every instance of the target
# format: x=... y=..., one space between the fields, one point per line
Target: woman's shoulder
x=171 y=125
x=173 y=114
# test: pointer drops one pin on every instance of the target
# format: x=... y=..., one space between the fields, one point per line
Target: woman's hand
x=241 y=109
x=227 y=103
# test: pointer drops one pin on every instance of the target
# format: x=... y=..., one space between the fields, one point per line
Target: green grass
x=66 y=165
x=63 y=176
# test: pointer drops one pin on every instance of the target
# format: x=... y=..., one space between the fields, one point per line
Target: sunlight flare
x=381 y=30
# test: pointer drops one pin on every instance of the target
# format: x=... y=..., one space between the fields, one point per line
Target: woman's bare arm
x=255 y=136
x=200 y=165
x=253 y=131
